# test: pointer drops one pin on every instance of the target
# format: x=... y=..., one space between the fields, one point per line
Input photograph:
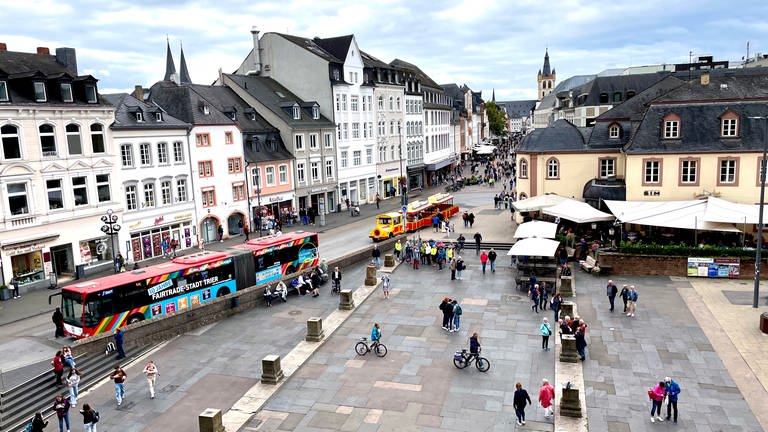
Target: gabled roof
x=371 y=61
x=311 y=46
x=561 y=136
x=126 y=107
x=276 y=97
x=13 y=62
x=520 y=108
x=226 y=101
x=453 y=91
x=425 y=79
x=336 y=46
x=612 y=84
x=634 y=108
x=184 y=103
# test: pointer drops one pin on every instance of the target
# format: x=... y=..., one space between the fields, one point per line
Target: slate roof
x=184 y=103
x=224 y=99
x=373 y=62
x=336 y=46
x=700 y=108
x=311 y=46
x=170 y=68
x=266 y=90
x=634 y=108
x=126 y=107
x=423 y=77
x=517 y=109
x=548 y=101
x=560 y=136
x=13 y=62
x=612 y=84
x=545 y=71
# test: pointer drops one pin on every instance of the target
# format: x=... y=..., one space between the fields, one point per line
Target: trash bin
x=764 y=322
x=79 y=271
x=235 y=302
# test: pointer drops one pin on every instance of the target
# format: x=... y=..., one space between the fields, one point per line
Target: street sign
x=404 y=209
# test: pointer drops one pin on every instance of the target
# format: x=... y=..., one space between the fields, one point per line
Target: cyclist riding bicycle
x=474 y=346
x=375 y=333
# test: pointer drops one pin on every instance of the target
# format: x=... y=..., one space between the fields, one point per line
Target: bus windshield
x=72 y=308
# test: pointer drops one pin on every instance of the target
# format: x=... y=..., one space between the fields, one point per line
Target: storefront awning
x=437 y=165
x=670 y=214
x=27 y=240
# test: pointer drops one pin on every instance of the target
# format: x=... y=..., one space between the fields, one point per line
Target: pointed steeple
x=170 y=68
x=546 y=70
x=493 y=96
x=183 y=72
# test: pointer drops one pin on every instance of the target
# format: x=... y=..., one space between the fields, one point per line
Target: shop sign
x=183 y=216
x=318 y=189
x=159 y=220
x=275 y=199
x=23 y=249
x=391 y=169
x=134 y=226
x=85 y=252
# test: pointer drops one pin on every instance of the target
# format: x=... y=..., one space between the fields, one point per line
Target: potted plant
x=5 y=293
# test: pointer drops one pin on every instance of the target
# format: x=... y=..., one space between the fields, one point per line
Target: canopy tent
x=484 y=149
x=538 y=202
x=534 y=246
x=539 y=229
x=671 y=214
x=577 y=211
x=720 y=210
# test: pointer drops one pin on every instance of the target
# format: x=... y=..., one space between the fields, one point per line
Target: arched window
x=553 y=168
x=614 y=131
x=391 y=103
x=74 y=143
x=9 y=135
x=47 y=140
x=729 y=125
x=398 y=104
x=381 y=102
x=523 y=168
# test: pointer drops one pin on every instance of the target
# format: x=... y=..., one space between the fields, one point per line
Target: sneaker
x=653 y=420
x=633 y=315
x=659 y=418
x=152 y=397
x=629 y=314
x=523 y=421
x=518 y=423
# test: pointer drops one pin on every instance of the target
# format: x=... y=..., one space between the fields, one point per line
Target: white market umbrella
x=577 y=211
x=538 y=202
x=535 y=246
x=539 y=229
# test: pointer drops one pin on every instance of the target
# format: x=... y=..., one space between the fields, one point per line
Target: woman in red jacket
x=58 y=367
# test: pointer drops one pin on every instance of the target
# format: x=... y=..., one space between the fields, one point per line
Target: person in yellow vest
x=433 y=252
x=449 y=253
x=398 y=248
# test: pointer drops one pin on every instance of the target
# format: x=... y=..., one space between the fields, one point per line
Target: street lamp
x=756 y=293
x=401 y=180
x=258 y=199
x=111 y=228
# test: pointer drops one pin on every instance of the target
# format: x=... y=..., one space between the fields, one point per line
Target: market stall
x=535 y=256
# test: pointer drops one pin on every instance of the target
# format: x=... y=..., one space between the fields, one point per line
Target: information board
x=714 y=267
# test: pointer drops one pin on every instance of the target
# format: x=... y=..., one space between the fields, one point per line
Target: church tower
x=546 y=78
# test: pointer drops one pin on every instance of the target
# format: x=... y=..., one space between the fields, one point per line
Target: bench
x=589 y=264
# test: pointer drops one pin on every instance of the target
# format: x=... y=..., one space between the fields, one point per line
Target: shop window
x=28 y=267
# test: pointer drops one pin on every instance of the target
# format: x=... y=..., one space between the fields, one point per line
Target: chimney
x=68 y=58
x=704 y=78
x=43 y=51
x=138 y=92
x=3 y=46
x=256 y=53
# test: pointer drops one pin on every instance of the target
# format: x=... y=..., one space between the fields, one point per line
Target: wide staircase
x=19 y=404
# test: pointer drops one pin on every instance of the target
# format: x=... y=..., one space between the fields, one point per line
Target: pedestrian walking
x=14 y=283
x=611 y=291
x=58 y=321
x=73 y=380
x=656 y=394
x=376 y=254
x=58 y=367
x=483 y=260
x=220 y=231
x=416 y=257
x=118 y=336
x=240 y=227
x=460 y=266
x=672 y=390
x=465 y=218
x=398 y=249
x=151 y=373
x=581 y=339
x=478 y=240
x=456 y=315
x=61 y=408
x=452 y=267
x=533 y=293
x=492 y=255
x=175 y=245
x=555 y=303
x=385 y=285
x=460 y=240
x=378 y=200
x=471 y=219
x=631 y=301
x=165 y=246
x=37 y=423
x=624 y=294
x=546 y=332
x=119 y=263
x=247 y=233
x=90 y=418
x=447 y=308
x=519 y=402
x=119 y=377
x=543 y=296
x=547 y=398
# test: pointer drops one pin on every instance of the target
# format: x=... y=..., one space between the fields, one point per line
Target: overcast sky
x=485 y=44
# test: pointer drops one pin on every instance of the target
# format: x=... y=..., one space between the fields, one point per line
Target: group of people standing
x=628 y=295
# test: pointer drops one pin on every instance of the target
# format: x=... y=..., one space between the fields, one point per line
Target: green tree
x=496 y=119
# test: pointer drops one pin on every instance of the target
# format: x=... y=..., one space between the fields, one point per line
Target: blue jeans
x=65 y=419
x=656 y=407
x=458 y=274
x=483 y=264
x=73 y=395
x=119 y=392
x=520 y=413
x=493 y=265
x=456 y=321
x=377 y=261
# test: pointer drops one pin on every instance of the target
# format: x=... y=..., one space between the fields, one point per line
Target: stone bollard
x=567 y=308
x=210 y=421
x=568 y=352
x=315 y=332
x=389 y=260
x=370 y=275
x=566 y=286
x=271 y=371
x=345 y=300
x=570 y=405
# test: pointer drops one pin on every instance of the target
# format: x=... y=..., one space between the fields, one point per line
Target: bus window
x=72 y=309
x=97 y=309
x=384 y=221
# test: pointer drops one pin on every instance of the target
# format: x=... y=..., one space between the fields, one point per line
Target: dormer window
x=40 y=95
x=614 y=131
x=205 y=109
x=253 y=116
x=66 y=92
x=336 y=75
x=316 y=112
x=671 y=126
x=139 y=116
x=90 y=94
x=159 y=116
x=296 y=113
x=4 y=92
x=729 y=125
x=233 y=116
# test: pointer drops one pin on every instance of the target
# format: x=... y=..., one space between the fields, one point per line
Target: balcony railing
x=23 y=221
x=52 y=153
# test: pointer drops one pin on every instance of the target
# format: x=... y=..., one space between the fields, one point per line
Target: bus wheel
x=133 y=319
x=290 y=270
x=222 y=292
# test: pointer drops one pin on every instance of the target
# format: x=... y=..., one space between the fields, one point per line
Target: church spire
x=546 y=70
x=493 y=96
x=183 y=71
x=170 y=68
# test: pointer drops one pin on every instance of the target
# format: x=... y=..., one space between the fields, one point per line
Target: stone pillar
x=210 y=421
x=370 y=275
x=566 y=286
x=315 y=332
x=389 y=260
x=345 y=300
x=271 y=371
x=567 y=308
x=570 y=405
x=568 y=352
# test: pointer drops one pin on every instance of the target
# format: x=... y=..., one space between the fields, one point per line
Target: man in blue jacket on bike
x=375 y=333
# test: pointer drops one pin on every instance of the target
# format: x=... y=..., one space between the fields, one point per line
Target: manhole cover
x=295 y=312
x=511 y=298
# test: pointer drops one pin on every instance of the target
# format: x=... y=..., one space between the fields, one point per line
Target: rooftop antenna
x=746 y=59
x=690 y=60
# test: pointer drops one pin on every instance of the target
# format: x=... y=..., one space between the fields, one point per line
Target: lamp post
x=111 y=228
x=402 y=180
x=759 y=248
x=258 y=198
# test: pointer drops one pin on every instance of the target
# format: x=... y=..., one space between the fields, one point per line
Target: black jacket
x=520 y=398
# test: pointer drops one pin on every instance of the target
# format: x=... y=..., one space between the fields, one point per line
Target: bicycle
x=462 y=359
x=362 y=348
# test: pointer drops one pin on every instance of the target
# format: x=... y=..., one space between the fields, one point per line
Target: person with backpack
x=456 y=316
x=460 y=266
x=90 y=418
x=546 y=331
x=37 y=424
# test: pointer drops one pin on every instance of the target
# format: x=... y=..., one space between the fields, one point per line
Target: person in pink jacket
x=657 y=397
x=547 y=398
